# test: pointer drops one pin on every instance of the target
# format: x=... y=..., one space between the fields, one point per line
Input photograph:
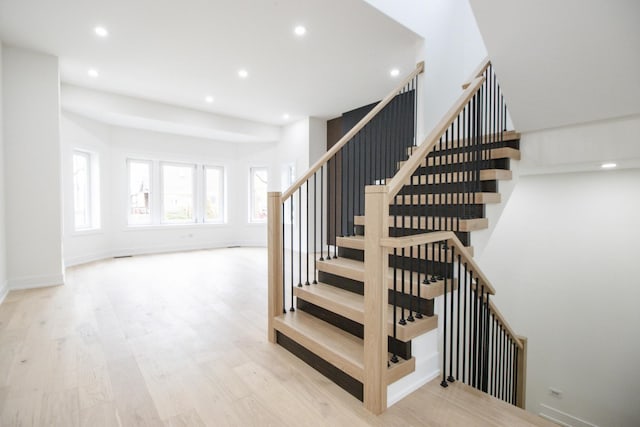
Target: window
x=139 y=191
x=85 y=191
x=177 y=193
x=165 y=193
x=258 y=195
x=214 y=194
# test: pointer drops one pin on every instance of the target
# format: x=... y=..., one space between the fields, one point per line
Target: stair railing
x=305 y=221
x=479 y=348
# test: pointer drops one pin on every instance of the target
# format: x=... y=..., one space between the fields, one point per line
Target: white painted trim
x=30 y=282
x=4 y=291
x=562 y=418
x=151 y=250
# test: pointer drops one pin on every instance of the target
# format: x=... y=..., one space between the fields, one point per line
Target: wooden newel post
x=521 y=391
x=274 y=260
x=376 y=263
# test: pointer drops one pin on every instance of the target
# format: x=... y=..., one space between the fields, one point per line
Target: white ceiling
x=564 y=62
x=177 y=52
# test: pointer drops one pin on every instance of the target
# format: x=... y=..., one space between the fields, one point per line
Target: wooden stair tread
x=424 y=223
x=493 y=154
x=357 y=243
x=340 y=348
x=354 y=270
x=351 y=242
x=480 y=198
x=351 y=305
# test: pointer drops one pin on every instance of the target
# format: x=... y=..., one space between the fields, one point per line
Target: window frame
x=203 y=193
x=92 y=196
x=252 y=170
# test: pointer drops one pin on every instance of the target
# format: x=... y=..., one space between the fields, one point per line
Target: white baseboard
x=4 y=290
x=30 y=282
x=153 y=250
x=562 y=418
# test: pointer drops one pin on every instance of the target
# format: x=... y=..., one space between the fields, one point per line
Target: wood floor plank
x=180 y=339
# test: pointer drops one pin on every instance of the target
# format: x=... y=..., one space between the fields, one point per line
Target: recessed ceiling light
x=394 y=72
x=101 y=31
x=243 y=73
x=300 y=30
x=93 y=72
x=285 y=116
x=608 y=165
x=208 y=99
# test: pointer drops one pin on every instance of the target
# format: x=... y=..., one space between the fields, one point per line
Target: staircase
x=369 y=252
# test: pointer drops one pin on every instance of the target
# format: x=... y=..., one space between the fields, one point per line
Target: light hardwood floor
x=180 y=340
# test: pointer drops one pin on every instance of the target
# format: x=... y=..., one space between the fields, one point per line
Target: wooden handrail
x=478 y=72
x=403 y=176
x=351 y=133
x=415 y=240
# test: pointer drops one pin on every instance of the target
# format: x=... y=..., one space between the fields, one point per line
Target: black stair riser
x=462 y=166
x=347 y=382
x=424 y=306
x=417 y=265
x=451 y=211
x=341 y=282
x=454 y=187
x=403 y=349
x=487 y=145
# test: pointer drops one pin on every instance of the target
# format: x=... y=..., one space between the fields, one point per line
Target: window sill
x=86 y=232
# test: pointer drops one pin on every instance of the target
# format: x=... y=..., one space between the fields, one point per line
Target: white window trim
x=251 y=219
x=203 y=194
x=93 y=196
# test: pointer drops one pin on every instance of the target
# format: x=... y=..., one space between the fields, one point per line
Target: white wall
x=32 y=162
x=582 y=147
x=4 y=288
x=564 y=262
x=452 y=48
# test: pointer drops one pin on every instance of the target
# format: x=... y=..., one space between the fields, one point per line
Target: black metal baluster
x=307 y=229
x=315 y=228
x=402 y=319
x=322 y=213
x=394 y=358
x=458 y=313
x=448 y=273
x=464 y=323
x=411 y=270
x=335 y=205
x=495 y=357
x=444 y=382
x=300 y=237
x=291 y=247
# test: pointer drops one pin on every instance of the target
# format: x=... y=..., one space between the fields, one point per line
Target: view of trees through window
x=177 y=193
x=139 y=192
